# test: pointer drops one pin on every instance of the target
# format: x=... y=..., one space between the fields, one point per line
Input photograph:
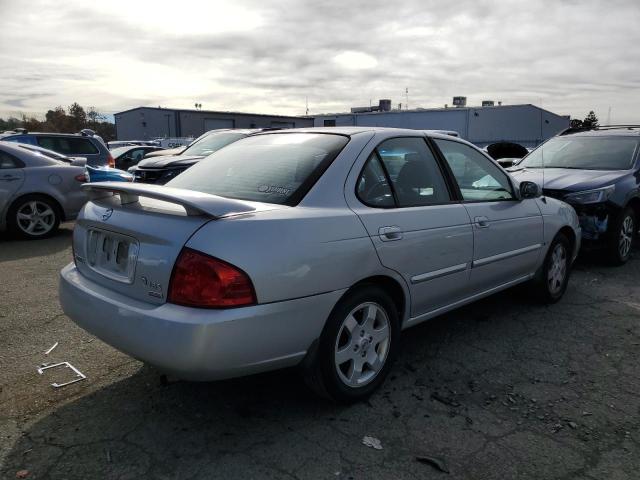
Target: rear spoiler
x=195 y=203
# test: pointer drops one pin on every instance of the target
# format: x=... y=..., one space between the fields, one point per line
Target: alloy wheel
x=558 y=269
x=362 y=344
x=36 y=218
x=626 y=236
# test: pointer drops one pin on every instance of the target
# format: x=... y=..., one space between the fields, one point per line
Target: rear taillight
x=82 y=178
x=199 y=280
x=110 y=161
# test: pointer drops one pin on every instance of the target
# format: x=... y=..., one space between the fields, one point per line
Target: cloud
x=268 y=57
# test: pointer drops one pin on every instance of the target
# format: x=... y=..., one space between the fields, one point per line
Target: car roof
x=356 y=130
x=605 y=131
x=384 y=132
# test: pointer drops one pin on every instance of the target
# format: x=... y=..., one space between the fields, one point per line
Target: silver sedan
x=312 y=247
x=37 y=192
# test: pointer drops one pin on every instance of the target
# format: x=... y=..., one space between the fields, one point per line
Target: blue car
x=597 y=171
x=106 y=174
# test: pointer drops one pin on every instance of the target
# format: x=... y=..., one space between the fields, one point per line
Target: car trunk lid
x=128 y=237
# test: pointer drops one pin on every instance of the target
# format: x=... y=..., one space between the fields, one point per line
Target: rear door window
x=273 y=168
x=68 y=145
x=413 y=170
x=373 y=187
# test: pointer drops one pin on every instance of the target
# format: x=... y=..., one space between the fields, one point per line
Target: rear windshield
x=584 y=153
x=274 y=168
x=212 y=143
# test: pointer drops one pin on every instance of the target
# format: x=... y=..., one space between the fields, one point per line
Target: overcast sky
x=268 y=56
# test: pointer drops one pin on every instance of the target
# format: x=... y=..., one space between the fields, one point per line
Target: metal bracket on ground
x=79 y=375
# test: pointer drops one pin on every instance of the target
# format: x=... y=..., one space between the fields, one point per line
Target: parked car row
x=328 y=241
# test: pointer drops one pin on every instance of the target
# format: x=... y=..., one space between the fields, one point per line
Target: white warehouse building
x=526 y=124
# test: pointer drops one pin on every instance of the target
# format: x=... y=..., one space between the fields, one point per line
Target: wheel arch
x=570 y=233
x=398 y=293
x=634 y=203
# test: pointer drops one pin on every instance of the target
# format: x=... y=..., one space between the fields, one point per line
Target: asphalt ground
x=501 y=389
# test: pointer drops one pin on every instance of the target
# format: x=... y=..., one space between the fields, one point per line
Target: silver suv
x=84 y=144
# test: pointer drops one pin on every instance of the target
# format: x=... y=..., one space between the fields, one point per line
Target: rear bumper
x=197 y=344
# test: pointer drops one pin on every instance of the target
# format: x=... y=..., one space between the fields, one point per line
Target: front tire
x=357 y=347
x=553 y=277
x=33 y=216
x=622 y=237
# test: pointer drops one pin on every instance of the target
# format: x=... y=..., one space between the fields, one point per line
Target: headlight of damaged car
x=599 y=195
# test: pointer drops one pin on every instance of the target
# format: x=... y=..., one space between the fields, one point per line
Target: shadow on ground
x=16 y=249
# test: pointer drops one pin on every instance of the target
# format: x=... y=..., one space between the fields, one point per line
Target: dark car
x=126 y=157
x=161 y=169
x=84 y=144
x=597 y=171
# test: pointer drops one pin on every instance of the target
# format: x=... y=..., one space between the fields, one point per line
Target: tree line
x=590 y=121
x=59 y=120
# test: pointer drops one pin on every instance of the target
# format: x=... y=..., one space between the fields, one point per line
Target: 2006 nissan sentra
x=313 y=247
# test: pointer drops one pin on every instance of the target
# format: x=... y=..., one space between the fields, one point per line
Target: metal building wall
x=524 y=124
x=146 y=123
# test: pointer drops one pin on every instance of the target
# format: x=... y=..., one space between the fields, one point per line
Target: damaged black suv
x=597 y=171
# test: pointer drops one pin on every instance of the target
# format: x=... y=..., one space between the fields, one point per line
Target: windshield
x=116 y=152
x=273 y=168
x=587 y=153
x=212 y=143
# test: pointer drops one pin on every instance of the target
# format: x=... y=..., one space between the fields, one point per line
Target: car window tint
x=479 y=179
x=373 y=188
x=274 y=168
x=19 y=139
x=414 y=172
x=8 y=161
x=68 y=145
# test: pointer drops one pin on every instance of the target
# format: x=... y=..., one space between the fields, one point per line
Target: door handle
x=482 y=222
x=388 y=234
x=9 y=178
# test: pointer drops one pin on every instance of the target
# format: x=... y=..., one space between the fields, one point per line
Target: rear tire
x=33 y=216
x=552 y=279
x=357 y=347
x=622 y=236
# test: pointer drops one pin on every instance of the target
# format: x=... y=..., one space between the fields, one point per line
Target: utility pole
x=406 y=98
x=306 y=102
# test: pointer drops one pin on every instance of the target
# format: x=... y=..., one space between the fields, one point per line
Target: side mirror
x=529 y=190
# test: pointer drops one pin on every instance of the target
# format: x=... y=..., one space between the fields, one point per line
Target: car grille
x=559 y=194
